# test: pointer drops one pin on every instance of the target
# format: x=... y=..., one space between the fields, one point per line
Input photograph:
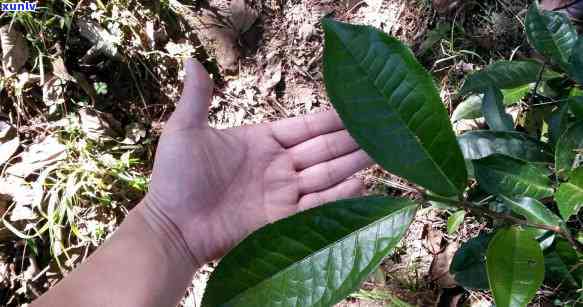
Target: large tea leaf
x=469 y=263
x=389 y=104
x=503 y=175
x=515 y=266
x=552 y=34
x=569 y=196
x=569 y=148
x=314 y=258
x=504 y=75
x=495 y=112
x=480 y=144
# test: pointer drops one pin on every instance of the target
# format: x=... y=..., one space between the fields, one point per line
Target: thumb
x=192 y=109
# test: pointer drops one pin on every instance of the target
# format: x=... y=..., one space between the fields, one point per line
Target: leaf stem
x=481 y=211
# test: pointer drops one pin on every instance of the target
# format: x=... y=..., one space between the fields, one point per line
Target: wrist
x=167 y=232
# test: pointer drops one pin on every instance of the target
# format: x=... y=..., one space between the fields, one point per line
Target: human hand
x=217 y=186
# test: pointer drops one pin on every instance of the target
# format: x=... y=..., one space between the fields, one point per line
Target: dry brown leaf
x=434 y=239
x=7 y=131
x=15 y=52
x=98 y=126
x=8 y=149
x=271 y=74
x=17 y=190
x=439 y=271
x=219 y=27
x=307 y=31
x=9 y=142
x=446 y=6
x=103 y=42
x=22 y=212
x=59 y=68
x=150 y=34
x=465 y=125
x=244 y=13
x=135 y=132
x=54 y=91
x=85 y=86
x=38 y=156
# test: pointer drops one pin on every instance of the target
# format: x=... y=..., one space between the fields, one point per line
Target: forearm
x=145 y=263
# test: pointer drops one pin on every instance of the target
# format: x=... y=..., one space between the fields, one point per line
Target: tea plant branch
x=483 y=212
x=548 y=102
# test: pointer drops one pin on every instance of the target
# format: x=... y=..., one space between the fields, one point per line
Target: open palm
x=224 y=184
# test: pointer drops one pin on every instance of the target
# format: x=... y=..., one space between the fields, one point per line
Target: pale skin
x=210 y=189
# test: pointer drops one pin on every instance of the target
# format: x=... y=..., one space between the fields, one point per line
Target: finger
x=322 y=148
x=324 y=175
x=292 y=131
x=346 y=189
x=192 y=109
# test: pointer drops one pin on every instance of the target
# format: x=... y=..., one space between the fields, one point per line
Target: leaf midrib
x=515 y=234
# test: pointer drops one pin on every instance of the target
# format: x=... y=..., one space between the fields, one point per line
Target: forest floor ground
x=95 y=82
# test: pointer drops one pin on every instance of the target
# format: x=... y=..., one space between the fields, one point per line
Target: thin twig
x=540 y=78
x=480 y=211
x=566 y=5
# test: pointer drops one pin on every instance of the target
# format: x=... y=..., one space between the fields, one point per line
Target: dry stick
x=489 y=213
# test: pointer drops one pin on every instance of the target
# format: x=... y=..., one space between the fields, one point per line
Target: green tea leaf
x=469 y=263
x=314 y=258
x=471 y=108
x=514 y=95
x=558 y=122
x=533 y=210
x=576 y=106
x=441 y=31
x=569 y=196
x=563 y=264
x=515 y=266
x=455 y=220
x=569 y=148
x=480 y=144
x=389 y=104
x=552 y=34
x=502 y=175
x=495 y=112
x=504 y=75
x=576 y=61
